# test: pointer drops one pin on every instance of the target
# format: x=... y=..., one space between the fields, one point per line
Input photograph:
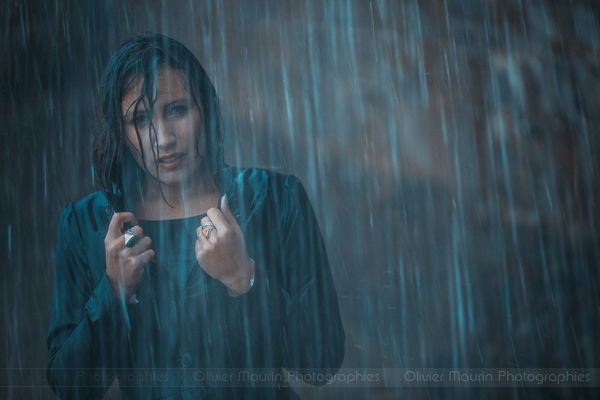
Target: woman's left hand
x=223 y=255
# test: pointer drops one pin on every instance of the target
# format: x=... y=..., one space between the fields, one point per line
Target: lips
x=170 y=161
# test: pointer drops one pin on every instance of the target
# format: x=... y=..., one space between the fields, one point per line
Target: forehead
x=170 y=84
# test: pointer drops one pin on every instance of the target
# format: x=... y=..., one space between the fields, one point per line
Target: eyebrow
x=180 y=100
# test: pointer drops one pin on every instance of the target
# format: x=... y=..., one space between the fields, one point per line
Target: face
x=176 y=125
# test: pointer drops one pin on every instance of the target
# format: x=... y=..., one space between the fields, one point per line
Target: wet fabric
x=185 y=320
x=173 y=244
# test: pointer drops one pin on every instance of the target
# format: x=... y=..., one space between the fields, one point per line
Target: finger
x=200 y=233
x=198 y=248
x=202 y=222
x=142 y=245
x=126 y=218
x=201 y=248
x=137 y=231
x=145 y=257
x=228 y=214
x=218 y=219
x=117 y=222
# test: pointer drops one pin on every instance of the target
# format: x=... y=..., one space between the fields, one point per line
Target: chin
x=175 y=180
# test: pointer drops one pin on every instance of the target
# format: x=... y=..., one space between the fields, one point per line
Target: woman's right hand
x=125 y=266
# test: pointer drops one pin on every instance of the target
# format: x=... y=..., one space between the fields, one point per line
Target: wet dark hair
x=140 y=56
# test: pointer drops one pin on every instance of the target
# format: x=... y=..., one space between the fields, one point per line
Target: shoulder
x=89 y=214
x=252 y=189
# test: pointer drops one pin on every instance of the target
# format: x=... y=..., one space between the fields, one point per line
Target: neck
x=184 y=200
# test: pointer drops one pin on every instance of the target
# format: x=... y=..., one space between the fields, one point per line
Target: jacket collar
x=116 y=203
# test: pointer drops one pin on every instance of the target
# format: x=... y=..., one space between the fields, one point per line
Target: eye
x=178 y=110
x=141 y=120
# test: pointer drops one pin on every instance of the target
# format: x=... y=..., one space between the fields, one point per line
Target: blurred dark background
x=450 y=149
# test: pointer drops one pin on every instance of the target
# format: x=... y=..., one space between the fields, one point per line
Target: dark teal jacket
x=288 y=319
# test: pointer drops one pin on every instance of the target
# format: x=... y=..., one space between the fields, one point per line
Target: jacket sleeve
x=86 y=329
x=314 y=333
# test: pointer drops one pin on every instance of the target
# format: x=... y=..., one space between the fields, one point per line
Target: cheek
x=190 y=133
x=130 y=137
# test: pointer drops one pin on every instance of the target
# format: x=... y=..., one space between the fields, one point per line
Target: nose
x=164 y=138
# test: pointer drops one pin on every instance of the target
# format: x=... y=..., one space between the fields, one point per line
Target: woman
x=182 y=263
